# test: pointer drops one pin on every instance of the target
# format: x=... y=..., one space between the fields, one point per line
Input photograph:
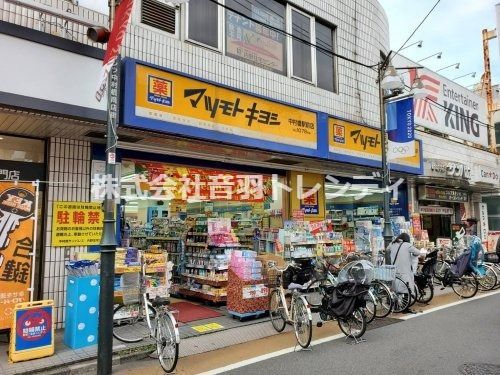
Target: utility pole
x=486 y=85
x=108 y=240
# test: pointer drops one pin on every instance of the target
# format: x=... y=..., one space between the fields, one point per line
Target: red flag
x=122 y=18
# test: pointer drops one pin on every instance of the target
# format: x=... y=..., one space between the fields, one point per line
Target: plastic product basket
x=130 y=287
x=384 y=273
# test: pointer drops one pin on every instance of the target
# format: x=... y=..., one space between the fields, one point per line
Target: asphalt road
x=441 y=342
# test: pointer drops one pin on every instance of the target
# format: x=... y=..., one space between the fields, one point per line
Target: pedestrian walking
x=402 y=254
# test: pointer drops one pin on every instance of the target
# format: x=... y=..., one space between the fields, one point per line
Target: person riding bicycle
x=401 y=255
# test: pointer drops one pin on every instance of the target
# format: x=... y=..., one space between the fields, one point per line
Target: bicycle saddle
x=160 y=302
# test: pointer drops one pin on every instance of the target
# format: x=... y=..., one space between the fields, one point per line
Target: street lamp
x=418 y=43
x=389 y=80
x=472 y=74
x=438 y=54
x=457 y=66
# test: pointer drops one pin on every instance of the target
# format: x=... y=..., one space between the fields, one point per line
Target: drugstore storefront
x=182 y=185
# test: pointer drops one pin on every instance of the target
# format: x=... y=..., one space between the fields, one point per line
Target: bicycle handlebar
x=272 y=265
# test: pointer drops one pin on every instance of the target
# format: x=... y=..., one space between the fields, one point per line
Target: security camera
x=98 y=34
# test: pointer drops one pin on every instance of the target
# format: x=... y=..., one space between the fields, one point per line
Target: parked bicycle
x=343 y=298
x=138 y=318
x=325 y=275
x=296 y=312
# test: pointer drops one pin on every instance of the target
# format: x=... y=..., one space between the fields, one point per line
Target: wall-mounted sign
x=353 y=143
x=483 y=221
x=172 y=103
x=21 y=170
x=435 y=210
x=433 y=193
x=448 y=108
x=485 y=174
x=76 y=223
x=446 y=169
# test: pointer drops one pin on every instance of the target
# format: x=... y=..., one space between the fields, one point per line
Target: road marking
x=281 y=352
x=263 y=357
x=451 y=304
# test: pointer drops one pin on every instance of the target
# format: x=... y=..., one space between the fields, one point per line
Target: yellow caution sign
x=32 y=331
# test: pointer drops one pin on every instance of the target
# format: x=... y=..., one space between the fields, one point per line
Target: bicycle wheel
x=401 y=295
x=465 y=286
x=277 y=311
x=130 y=324
x=314 y=292
x=354 y=325
x=489 y=280
x=302 y=323
x=383 y=296
x=166 y=345
x=426 y=294
x=370 y=308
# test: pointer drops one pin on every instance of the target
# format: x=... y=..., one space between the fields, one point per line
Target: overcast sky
x=454 y=28
x=99 y=5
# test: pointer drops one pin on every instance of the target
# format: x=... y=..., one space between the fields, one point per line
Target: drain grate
x=479 y=369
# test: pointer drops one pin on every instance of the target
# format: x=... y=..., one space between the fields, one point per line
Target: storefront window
x=22 y=149
x=252 y=42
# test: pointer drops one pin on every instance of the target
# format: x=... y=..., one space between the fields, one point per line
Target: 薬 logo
x=160 y=91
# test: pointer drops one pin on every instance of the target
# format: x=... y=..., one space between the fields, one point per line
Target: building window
x=302 y=60
x=324 y=57
x=158 y=15
x=253 y=42
x=203 y=22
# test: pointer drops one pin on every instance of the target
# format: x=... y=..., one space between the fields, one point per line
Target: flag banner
x=400 y=129
x=122 y=18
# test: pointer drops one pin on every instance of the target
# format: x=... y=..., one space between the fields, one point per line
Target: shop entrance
x=437 y=226
x=189 y=221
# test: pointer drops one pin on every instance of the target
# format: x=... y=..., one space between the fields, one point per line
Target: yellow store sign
x=76 y=223
x=176 y=99
x=360 y=141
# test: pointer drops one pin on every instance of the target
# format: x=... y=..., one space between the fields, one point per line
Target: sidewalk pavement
x=193 y=341
x=196 y=338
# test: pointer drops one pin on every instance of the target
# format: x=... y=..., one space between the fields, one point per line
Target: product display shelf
x=205 y=267
x=302 y=250
x=246 y=298
x=173 y=246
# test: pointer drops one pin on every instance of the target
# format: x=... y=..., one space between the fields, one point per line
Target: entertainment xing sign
x=448 y=108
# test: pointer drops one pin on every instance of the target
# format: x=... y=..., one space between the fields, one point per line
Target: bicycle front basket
x=129 y=283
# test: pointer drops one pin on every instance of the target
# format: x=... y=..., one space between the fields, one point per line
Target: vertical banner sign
x=17 y=208
x=483 y=221
x=400 y=129
x=122 y=18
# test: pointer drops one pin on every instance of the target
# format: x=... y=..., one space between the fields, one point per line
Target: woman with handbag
x=401 y=253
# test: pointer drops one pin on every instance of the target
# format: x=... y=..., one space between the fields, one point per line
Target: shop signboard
x=32 y=331
x=17 y=208
x=21 y=171
x=483 y=221
x=256 y=44
x=168 y=182
x=359 y=144
x=486 y=175
x=309 y=202
x=416 y=224
x=173 y=103
x=446 y=169
x=434 y=193
x=435 y=210
x=449 y=108
x=76 y=223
